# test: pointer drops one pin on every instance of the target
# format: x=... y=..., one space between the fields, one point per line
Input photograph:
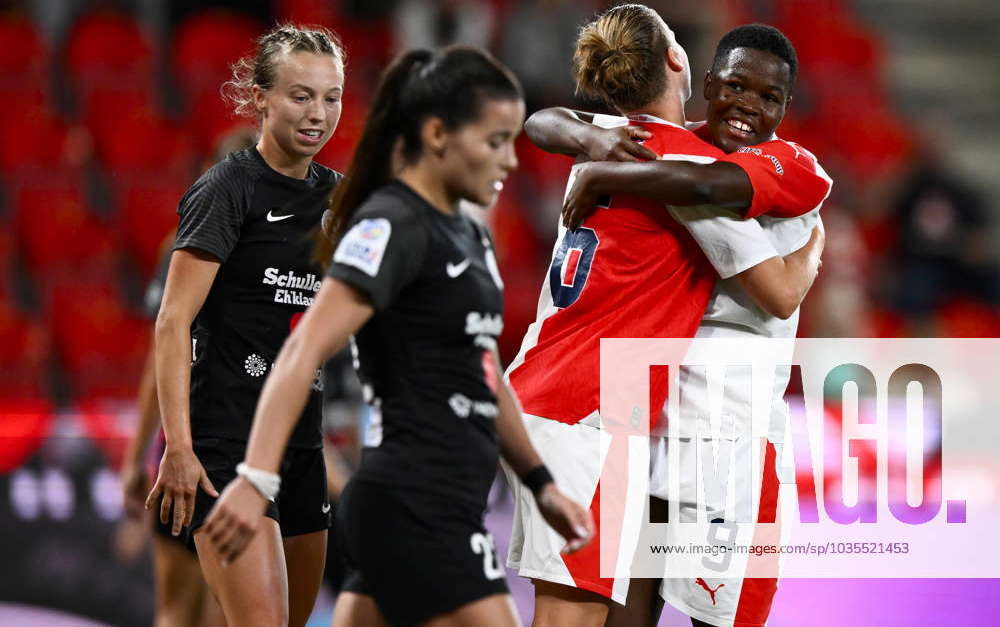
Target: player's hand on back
x=234 y=519
x=819 y=232
x=617 y=144
x=180 y=475
x=567 y=517
x=581 y=199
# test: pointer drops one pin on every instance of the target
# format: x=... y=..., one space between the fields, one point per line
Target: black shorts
x=302 y=506
x=163 y=530
x=418 y=555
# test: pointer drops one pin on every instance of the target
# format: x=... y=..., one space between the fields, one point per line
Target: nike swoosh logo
x=273 y=218
x=326 y=508
x=455 y=269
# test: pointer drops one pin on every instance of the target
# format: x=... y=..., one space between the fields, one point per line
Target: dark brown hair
x=619 y=57
x=261 y=68
x=759 y=37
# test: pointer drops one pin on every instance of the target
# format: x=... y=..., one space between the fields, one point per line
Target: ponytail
x=370 y=168
x=619 y=57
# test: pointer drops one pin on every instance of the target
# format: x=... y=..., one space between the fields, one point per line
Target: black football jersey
x=424 y=358
x=258 y=223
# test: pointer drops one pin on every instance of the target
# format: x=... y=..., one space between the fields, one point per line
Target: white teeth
x=498 y=186
x=741 y=126
x=311 y=133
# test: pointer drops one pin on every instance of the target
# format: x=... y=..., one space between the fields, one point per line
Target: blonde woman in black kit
x=415 y=281
x=240 y=277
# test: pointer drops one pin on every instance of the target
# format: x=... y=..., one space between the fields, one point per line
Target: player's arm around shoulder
x=580 y=134
x=787 y=180
x=570 y=520
x=722 y=185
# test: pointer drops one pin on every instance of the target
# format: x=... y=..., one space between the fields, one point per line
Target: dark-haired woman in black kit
x=415 y=281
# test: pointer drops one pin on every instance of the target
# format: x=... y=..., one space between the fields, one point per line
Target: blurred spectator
x=436 y=23
x=944 y=245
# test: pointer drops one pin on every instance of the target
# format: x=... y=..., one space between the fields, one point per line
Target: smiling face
x=747 y=98
x=479 y=155
x=300 y=111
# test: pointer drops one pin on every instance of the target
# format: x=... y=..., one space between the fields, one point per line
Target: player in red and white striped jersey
x=632 y=271
x=747 y=91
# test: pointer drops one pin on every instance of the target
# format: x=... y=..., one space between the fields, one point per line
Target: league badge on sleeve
x=364 y=245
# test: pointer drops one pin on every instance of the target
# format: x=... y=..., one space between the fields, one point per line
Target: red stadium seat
x=372 y=41
x=102 y=345
x=827 y=35
x=871 y=145
x=24 y=355
x=106 y=108
x=24 y=425
x=207 y=44
x=35 y=138
x=148 y=213
x=211 y=118
x=967 y=318
x=23 y=54
x=885 y=323
x=145 y=143
x=306 y=11
x=57 y=235
x=7 y=250
x=366 y=41
x=108 y=48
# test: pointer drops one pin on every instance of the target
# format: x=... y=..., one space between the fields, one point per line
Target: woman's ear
x=674 y=60
x=434 y=136
x=259 y=100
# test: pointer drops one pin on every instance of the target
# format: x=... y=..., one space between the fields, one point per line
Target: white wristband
x=267 y=483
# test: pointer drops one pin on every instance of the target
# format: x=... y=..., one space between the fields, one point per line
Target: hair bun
x=619 y=57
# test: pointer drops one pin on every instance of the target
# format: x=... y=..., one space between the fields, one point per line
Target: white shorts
x=573 y=454
x=726 y=600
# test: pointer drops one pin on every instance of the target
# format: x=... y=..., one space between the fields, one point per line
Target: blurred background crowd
x=113 y=108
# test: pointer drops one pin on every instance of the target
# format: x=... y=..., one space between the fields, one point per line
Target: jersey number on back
x=571 y=266
x=482 y=544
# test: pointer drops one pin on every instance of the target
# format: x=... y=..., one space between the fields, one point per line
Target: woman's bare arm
x=567 y=132
x=779 y=284
x=189 y=280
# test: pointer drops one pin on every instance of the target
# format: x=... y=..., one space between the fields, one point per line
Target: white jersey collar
x=645 y=117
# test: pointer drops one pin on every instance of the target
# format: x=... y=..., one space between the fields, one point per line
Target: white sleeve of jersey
x=609 y=121
x=730 y=243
